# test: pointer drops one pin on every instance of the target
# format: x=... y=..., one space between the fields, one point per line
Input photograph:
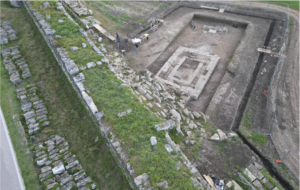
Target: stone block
x=250 y=175
x=255 y=172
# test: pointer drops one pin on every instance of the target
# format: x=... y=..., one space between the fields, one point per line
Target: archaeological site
x=149 y=95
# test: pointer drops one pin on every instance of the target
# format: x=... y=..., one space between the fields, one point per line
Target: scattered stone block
x=175 y=115
x=124 y=113
x=222 y=135
x=186 y=112
x=168 y=148
x=60 y=21
x=153 y=140
x=231 y=135
x=169 y=124
x=141 y=179
x=196 y=114
x=90 y=65
x=46 y=4
x=215 y=137
x=74 y=48
x=163 y=184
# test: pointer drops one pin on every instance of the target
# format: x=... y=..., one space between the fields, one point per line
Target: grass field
x=67 y=115
x=292 y=4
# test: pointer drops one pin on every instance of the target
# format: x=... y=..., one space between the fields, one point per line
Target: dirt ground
x=286 y=95
x=222 y=45
x=224 y=91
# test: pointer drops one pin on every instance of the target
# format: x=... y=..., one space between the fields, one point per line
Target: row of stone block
x=7 y=33
x=14 y=63
x=59 y=168
x=34 y=110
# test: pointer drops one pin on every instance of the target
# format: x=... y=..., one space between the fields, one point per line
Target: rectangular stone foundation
x=188 y=70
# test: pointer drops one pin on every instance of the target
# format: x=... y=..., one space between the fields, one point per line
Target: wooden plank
x=210 y=181
x=206 y=7
x=263 y=50
x=104 y=32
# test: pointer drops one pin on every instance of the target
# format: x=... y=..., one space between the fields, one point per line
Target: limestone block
x=222 y=135
x=148 y=96
x=215 y=137
x=164 y=184
x=124 y=113
x=45 y=169
x=175 y=114
x=186 y=112
x=58 y=169
x=90 y=65
x=169 y=124
x=250 y=175
x=266 y=181
x=231 y=135
x=74 y=48
x=257 y=184
x=180 y=105
x=255 y=172
x=153 y=140
x=168 y=148
x=141 y=179
x=196 y=114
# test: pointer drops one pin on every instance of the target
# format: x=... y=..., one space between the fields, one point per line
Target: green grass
x=67 y=114
x=246 y=119
x=270 y=179
x=292 y=4
x=257 y=139
x=135 y=129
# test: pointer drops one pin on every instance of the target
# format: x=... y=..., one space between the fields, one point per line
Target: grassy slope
x=292 y=4
x=135 y=129
x=68 y=115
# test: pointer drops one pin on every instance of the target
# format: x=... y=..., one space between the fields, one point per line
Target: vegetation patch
x=68 y=116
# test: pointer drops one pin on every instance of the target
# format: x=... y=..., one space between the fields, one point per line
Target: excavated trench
x=266 y=162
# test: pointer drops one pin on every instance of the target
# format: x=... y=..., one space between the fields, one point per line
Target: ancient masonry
x=188 y=70
x=15 y=64
x=7 y=33
x=59 y=168
x=34 y=110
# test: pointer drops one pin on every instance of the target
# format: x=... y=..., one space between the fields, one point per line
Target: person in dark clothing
x=136 y=47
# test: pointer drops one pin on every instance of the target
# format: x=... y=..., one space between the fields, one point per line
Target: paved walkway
x=10 y=176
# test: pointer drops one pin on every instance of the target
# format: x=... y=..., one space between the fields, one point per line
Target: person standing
x=136 y=47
